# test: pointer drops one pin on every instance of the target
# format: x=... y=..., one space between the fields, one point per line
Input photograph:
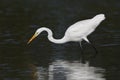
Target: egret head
x=34 y=36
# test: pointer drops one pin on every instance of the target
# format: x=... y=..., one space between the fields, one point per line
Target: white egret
x=76 y=32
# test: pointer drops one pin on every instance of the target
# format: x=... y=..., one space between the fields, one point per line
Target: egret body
x=76 y=32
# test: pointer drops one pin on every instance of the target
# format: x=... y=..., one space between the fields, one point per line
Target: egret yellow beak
x=33 y=37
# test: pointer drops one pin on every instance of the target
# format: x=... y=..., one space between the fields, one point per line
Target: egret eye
x=37 y=33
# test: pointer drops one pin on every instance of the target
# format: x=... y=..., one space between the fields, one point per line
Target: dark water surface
x=43 y=60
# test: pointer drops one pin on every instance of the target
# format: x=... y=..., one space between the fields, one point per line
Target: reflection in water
x=41 y=74
x=64 y=70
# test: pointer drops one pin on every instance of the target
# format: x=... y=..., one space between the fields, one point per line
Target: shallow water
x=43 y=60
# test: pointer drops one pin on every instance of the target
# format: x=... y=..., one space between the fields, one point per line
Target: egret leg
x=81 y=45
x=81 y=48
x=96 y=52
x=82 y=53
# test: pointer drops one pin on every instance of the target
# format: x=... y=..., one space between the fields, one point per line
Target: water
x=43 y=60
x=64 y=70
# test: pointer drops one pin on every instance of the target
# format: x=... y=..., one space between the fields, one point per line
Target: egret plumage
x=76 y=32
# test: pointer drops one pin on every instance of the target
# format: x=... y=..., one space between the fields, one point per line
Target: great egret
x=76 y=32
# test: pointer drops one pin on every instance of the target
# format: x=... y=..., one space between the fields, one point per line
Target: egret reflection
x=64 y=70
